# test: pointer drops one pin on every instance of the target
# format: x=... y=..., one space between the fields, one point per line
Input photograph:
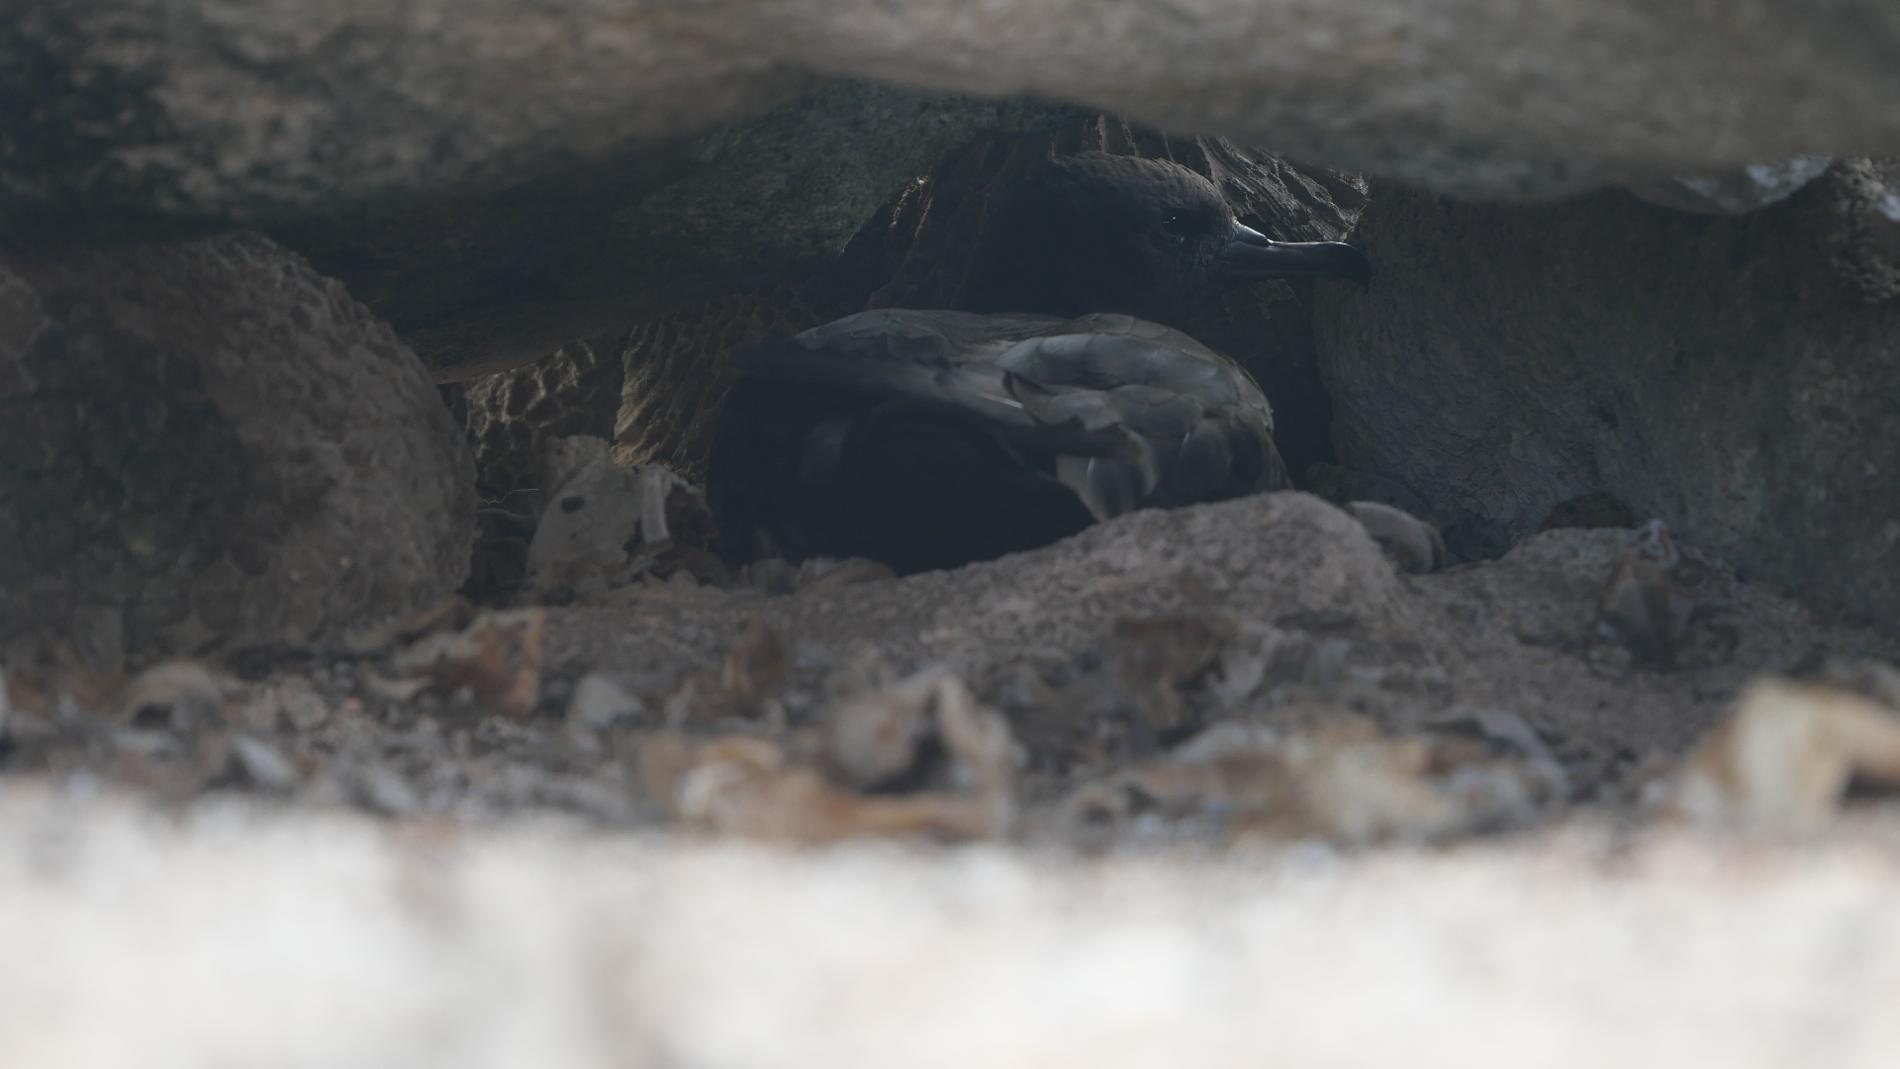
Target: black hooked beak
x=1251 y=256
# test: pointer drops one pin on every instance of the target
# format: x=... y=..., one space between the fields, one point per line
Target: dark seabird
x=1058 y=394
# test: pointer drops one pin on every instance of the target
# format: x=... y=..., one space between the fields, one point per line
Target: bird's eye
x=1176 y=225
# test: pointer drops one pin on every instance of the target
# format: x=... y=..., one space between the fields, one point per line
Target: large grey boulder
x=1737 y=375
x=208 y=445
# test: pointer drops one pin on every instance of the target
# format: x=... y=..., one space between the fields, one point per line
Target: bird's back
x=929 y=439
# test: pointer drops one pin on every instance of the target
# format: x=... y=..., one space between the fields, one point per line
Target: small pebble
x=263 y=765
x=599 y=704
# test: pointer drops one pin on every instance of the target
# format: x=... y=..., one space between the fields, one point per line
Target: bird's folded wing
x=948 y=359
x=1112 y=351
x=934 y=357
x=1119 y=406
x=1205 y=427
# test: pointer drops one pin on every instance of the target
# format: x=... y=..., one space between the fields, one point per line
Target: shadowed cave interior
x=534 y=531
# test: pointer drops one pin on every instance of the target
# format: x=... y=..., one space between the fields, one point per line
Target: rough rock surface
x=1734 y=375
x=1271 y=557
x=208 y=444
x=1306 y=617
x=607 y=948
x=496 y=180
x=245 y=111
x=1863 y=235
x=1513 y=634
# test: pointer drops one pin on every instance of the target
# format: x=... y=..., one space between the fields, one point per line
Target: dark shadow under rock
x=480 y=280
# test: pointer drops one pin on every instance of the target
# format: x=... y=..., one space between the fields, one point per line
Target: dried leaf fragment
x=1152 y=657
x=1866 y=676
x=982 y=752
x=753 y=669
x=1785 y=756
x=742 y=785
x=872 y=738
x=497 y=658
x=1341 y=780
x=880 y=736
x=745 y=786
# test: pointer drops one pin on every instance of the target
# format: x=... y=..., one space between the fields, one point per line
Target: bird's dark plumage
x=1058 y=397
x=1101 y=233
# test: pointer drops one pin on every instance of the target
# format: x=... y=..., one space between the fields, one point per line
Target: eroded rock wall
x=1737 y=375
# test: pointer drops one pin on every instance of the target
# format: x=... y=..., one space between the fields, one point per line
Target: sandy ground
x=445 y=847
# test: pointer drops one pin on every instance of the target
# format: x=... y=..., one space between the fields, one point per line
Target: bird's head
x=1101 y=233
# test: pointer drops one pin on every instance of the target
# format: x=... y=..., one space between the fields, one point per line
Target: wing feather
x=1122 y=411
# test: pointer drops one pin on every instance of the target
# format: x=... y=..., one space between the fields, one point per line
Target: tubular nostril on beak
x=1250 y=256
x=1246 y=235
